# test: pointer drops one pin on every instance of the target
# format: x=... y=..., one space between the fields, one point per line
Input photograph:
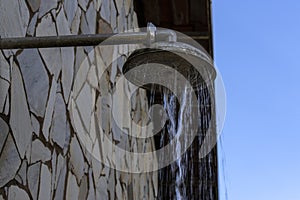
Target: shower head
x=193 y=63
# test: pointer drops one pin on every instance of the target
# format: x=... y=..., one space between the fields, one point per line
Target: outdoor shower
x=168 y=63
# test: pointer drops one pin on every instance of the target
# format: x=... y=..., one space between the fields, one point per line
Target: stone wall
x=41 y=153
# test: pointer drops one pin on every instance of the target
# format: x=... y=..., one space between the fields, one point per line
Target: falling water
x=190 y=176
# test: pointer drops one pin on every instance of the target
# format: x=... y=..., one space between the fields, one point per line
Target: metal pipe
x=90 y=40
x=72 y=40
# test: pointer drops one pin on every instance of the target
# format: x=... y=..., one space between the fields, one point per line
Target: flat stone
x=45 y=183
x=35 y=125
x=70 y=7
x=111 y=184
x=119 y=5
x=114 y=66
x=83 y=188
x=14 y=17
x=39 y=152
x=128 y=4
x=97 y=4
x=119 y=192
x=129 y=22
x=7 y=105
x=72 y=187
x=46 y=6
x=16 y=193
x=76 y=22
x=93 y=128
x=84 y=27
x=4 y=131
x=122 y=25
x=92 y=77
x=135 y=20
x=91 y=192
x=68 y=58
x=34 y=4
x=22 y=173
x=81 y=69
x=105 y=10
x=32 y=25
x=33 y=178
x=76 y=159
x=97 y=166
x=103 y=106
x=4 y=86
x=99 y=63
x=49 y=109
x=36 y=80
x=4 y=68
x=62 y=23
x=91 y=16
x=84 y=104
x=10 y=161
x=107 y=54
x=76 y=120
x=101 y=188
x=61 y=170
x=53 y=172
x=20 y=121
x=51 y=56
x=60 y=165
x=59 y=122
x=113 y=16
x=68 y=138
x=83 y=4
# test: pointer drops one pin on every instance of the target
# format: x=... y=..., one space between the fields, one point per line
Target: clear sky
x=257 y=50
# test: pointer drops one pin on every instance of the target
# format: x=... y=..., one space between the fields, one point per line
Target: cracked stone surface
x=22 y=173
x=51 y=56
x=76 y=21
x=4 y=69
x=4 y=131
x=20 y=121
x=61 y=171
x=49 y=109
x=76 y=159
x=83 y=189
x=36 y=80
x=83 y=4
x=39 y=152
x=34 y=4
x=35 y=125
x=9 y=161
x=46 y=6
x=42 y=156
x=45 y=182
x=16 y=193
x=59 y=127
x=105 y=10
x=4 y=81
x=62 y=24
x=32 y=25
x=33 y=179
x=13 y=24
x=70 y=7
x=3 y=92
x=72 y=187
x=68 y=58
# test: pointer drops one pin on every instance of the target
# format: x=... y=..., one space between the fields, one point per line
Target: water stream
x=190 y=176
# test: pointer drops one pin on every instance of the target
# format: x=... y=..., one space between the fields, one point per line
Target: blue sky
x=257 y=50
